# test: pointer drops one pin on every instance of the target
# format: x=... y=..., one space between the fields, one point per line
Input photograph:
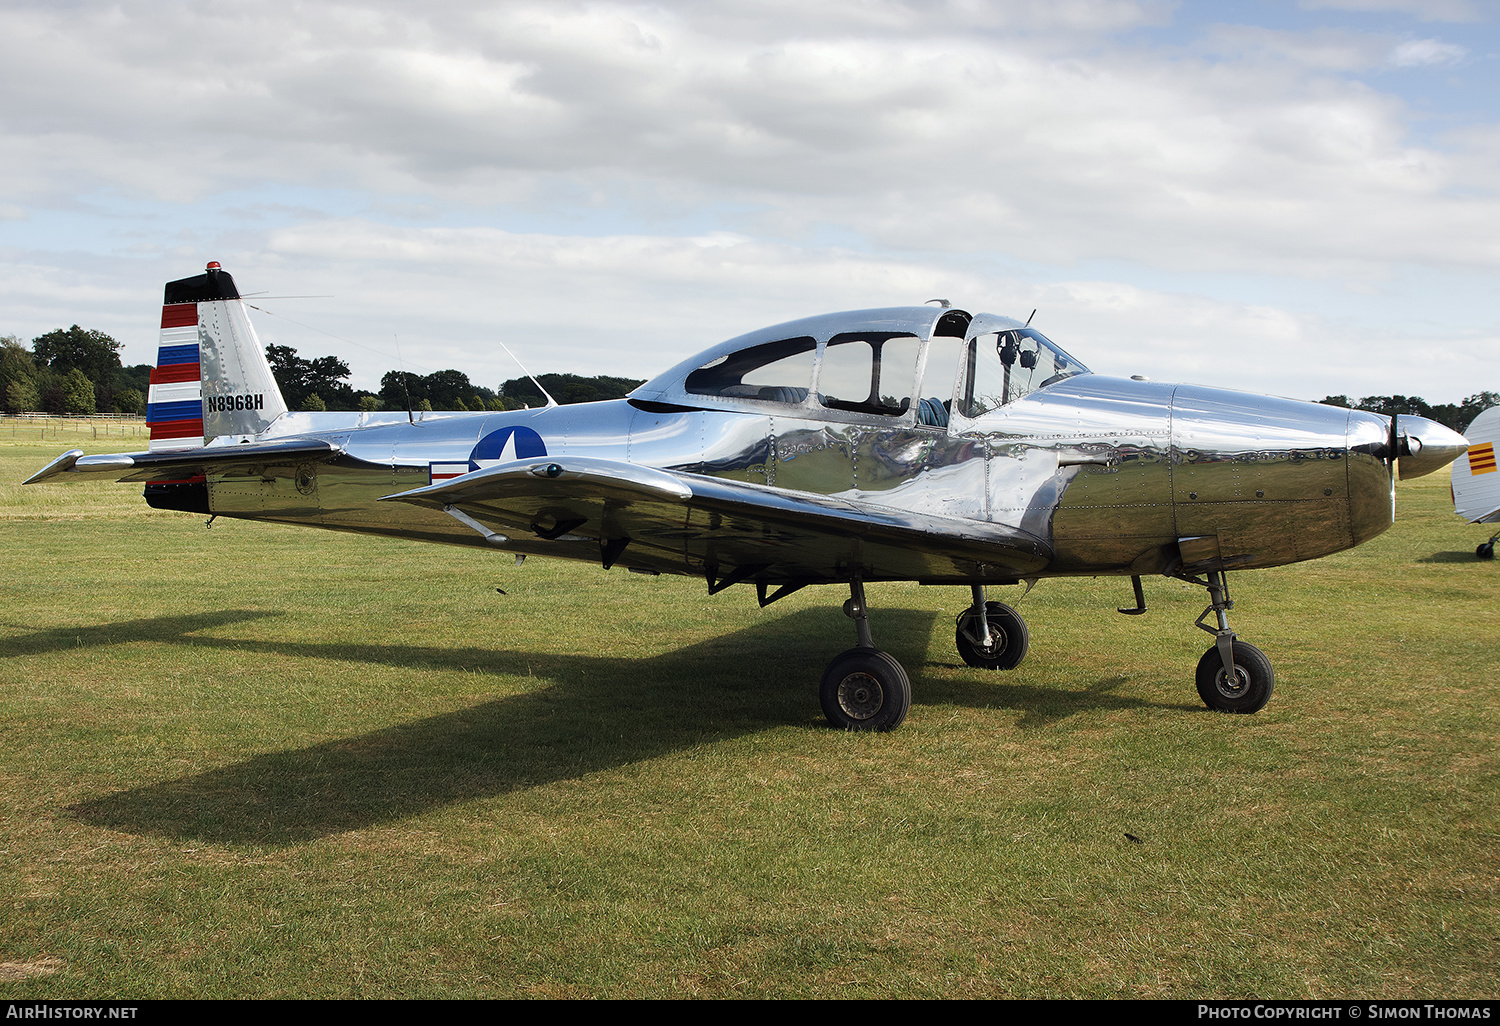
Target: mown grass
x=269 y=762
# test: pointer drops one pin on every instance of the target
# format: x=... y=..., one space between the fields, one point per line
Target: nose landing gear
x=1233 y=676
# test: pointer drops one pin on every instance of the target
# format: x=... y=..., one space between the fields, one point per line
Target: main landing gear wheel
x=1486 y=550
x=1247 y=691
x=865 y=689
x=1009 y=638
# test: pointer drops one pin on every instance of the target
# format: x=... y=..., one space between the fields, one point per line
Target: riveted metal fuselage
x=1112 y=476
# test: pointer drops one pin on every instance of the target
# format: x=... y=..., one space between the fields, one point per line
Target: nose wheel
x=1233 y=676
x=1243 y=687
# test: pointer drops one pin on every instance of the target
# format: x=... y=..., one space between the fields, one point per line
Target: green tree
x=1389 y=405
x=1475 y=405
x=1453 y=415
x=136 y=376
x=443 y=390
x=569 y=388
x=400 y=390
x=92 y=352
x=18 y=377
x=299 y=378
x=128 y=400
x=16 y=360
x=369 y=403
x=78 y=393
x=21 y=396
x=312 y=404
x=446 y=389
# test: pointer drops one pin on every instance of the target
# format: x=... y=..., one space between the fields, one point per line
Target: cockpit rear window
x=778 y=372
x=869 y=372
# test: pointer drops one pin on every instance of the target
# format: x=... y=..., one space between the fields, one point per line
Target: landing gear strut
x=1233 y=675
x=991 y=635
x=864 y=688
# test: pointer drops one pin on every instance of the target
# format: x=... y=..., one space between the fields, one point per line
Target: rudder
x=211 y=377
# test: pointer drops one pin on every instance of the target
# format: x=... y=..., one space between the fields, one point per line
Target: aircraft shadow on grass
x=1466 y=556
x=157 y=628
x=594 y=713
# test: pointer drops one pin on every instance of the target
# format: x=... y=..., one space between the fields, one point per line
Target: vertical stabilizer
x=1476 y=479
x=211 y=375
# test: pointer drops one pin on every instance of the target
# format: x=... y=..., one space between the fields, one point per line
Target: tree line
x=320 y=384
x=1452 y=415
x=71 y=371
x=77 y=371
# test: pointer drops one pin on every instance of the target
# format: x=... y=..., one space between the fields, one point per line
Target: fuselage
x=1115 y=476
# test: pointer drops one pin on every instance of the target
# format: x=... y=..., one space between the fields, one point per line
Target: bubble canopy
x=898 y=362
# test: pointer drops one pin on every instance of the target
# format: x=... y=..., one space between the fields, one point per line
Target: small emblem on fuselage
x=504 y=445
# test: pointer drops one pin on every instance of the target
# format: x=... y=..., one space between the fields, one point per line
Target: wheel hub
x=997 y=637
x=860 y=696
x=1233 y=687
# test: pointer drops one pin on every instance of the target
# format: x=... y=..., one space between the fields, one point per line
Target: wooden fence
x=40 y=427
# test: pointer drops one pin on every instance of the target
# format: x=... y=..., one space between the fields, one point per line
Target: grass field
x=258 y=761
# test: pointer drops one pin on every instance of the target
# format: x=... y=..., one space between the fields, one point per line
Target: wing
x=727 y=531
x=154 y=466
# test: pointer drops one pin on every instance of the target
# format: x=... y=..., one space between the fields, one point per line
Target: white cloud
x=1427 y=53
x=919 y=125
x=679 y=168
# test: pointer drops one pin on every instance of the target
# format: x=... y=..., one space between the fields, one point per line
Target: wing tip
x=61 y=465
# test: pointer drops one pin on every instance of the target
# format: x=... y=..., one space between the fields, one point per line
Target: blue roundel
x=523 y=442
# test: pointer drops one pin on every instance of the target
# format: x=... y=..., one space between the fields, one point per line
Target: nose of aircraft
x=1417 y=445
x=1423 y=446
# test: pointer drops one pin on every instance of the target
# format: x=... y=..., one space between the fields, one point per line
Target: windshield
x=1003 y=366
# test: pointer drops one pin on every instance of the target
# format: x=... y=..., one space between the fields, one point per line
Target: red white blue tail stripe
x=174 y=406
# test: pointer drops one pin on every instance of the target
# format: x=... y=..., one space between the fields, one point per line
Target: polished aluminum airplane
x=915 y=443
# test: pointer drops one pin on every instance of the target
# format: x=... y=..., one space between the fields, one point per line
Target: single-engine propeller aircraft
x=1476 y=484
x=913 y=443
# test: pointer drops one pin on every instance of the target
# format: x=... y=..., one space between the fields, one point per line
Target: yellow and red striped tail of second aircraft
x=1482 y=458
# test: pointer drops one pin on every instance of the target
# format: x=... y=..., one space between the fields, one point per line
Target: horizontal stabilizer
x=151 y=466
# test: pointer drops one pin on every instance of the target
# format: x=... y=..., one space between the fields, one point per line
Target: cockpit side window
x=774 y=371
x=869 y=372
x=943 y=356
x=1002 y=366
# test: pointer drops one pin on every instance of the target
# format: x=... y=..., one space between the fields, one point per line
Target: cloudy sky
x=1289 y=196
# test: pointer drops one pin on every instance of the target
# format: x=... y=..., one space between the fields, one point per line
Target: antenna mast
x=551 y=402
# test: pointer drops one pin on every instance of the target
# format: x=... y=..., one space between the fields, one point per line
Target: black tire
x=1007 y=631
x=865 y=689
x=1486 y=550
x=1251 y=687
